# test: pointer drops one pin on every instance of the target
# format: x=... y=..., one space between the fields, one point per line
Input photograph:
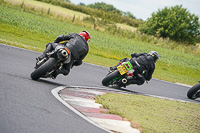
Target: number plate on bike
x=122 y=70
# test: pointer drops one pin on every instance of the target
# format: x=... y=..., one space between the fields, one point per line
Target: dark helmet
x=85 y=35
x=155 y=55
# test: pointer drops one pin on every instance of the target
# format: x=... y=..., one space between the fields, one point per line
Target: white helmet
x=155 y=55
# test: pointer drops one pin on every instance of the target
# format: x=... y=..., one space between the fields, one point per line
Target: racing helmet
x=155 y=55
x=85 y=35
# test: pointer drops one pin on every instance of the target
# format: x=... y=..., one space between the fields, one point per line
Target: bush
x=106 y=16
x=176 y=23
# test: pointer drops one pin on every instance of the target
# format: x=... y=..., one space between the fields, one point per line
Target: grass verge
x=22 y=26
x=25 y=28
x=154 y=115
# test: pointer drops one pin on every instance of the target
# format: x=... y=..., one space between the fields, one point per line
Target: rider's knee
x=65 y=72
x=141 y=82
x=48 y=44
x=138 y=82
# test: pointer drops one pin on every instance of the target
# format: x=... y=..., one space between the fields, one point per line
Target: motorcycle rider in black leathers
x=143 y=64
x=76 y=43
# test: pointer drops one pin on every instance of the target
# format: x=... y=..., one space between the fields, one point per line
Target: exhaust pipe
x=124 y=80
x=64 y=53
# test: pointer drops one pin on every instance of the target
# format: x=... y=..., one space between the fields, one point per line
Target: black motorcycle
x=194 y=91
x=55 y=60
x=119 y=78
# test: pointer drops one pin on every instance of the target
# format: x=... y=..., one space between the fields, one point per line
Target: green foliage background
x=115 y=17
x=175 y=22
x=30 y=28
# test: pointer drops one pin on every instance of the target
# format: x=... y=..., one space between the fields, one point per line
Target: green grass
x=35 y=31
x=45 y=7
x=123 y=26
x=154 y=115
x=62 y=12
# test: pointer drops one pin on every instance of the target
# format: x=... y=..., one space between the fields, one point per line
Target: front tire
x=108 y=78
x=42 y=70
x=192 y=93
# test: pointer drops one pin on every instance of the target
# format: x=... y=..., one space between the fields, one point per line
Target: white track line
x=55 y=93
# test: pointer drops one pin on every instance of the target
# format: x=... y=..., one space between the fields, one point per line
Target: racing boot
x=49 y=47
x=40 y=60
x=113 y=68
x=58 y=71
x=44 y=55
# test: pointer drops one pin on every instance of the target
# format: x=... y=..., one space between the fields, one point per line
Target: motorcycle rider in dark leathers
x=142 y=63
x=76 y=43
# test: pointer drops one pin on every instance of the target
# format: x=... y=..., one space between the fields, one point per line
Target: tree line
x=175 y=23
x=111 y=16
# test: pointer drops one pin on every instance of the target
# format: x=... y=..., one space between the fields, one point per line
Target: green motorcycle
x=119 y=78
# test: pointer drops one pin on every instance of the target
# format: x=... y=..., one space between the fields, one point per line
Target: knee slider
x=64 y=72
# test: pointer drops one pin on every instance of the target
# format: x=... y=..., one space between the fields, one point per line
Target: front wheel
x=194 y=92
x=42 y=70
x=106 y=81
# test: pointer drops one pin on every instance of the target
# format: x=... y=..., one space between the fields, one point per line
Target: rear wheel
x=194 y=92
x=42 y=70
x=106 y=81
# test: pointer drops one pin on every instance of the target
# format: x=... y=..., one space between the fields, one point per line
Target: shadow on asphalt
x=51 y=82
x=126 y=90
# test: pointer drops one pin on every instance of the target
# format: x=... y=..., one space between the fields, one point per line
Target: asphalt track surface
x=28 y=106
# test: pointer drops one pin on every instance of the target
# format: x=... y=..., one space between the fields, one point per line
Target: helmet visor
x=156 y=60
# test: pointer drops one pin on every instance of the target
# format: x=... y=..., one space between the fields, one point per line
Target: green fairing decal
x=116 y=78
x=128 y=66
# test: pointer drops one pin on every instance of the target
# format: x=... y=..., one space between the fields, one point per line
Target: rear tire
x=42 y=70
x=109 y=77
x=192 y=91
